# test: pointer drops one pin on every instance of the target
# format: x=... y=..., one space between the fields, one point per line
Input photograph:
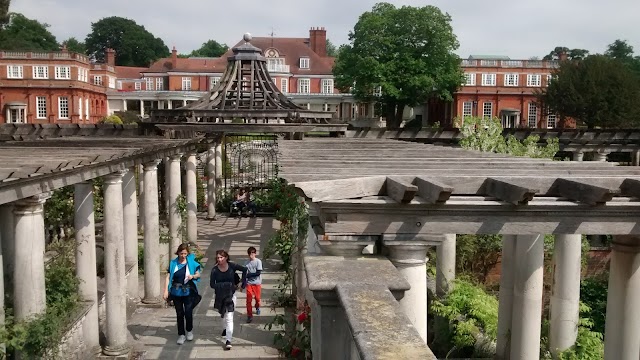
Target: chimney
x=110 y=57
x=562 y=55
x=318 y=40
x=174 y=58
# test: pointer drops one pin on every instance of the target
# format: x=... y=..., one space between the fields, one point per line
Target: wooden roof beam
x=509 y=191
x=400 y=190
x=584 y=192
x=433 y=191
x=325 y=190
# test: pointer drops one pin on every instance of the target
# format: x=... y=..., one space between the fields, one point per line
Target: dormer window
x=304 y=63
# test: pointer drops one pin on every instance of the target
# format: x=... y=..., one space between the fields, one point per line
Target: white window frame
x=40 y=72
x=532 y=115
x=327 y=86
x=377 y=91
x=305 y=63
x=469 y=79
x=552 y=121
x=534 y=80
x=467 y=109
x=511 y=79
x=15 y=72
x=326 y=107
x=213 y=82
x=186 y=83
x=41 y=107
x=137 y=85
x=159 y=84
x=284 y=85
x=80 y=108
x=488 y=79
x=19 y=116
x=97 y=80
x=487 y=110
x=63 y=72
x=304 y=86
x=63 y=107
x=112 y=82
x=86 y=108
x=149 y=84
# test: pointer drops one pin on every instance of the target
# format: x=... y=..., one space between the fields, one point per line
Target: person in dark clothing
x=182 y=275
x=224 y=284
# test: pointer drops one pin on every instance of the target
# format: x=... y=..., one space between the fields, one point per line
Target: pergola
x=407 y=196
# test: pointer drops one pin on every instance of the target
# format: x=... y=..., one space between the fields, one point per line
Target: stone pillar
x=565 y=295
x=184 y=102
x=578 y=155
x=329 y=344
x=169 y=104
x=130 y=226
x=600 y=155
x=175 y=188
x=505 y=306
x=152 y=286
x=165 y=190
x=527 y=297
x=29 y=246
x=445 y=264
x=192 y=199
x=219 y=162
x=140 y=169
x=115 y=281
x=211 y=182
x=635 y=158
x=142 y=108
x=124 y=104
x=84 y=224
x=8 y=241
x=622 y=328
x=409 y=258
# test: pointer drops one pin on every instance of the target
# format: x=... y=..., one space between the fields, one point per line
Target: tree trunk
x=399 y=113
x=390 y=115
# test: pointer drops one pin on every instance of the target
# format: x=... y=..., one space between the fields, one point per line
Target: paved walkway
x=155 y=332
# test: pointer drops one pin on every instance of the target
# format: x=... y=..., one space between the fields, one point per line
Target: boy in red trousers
x=254 y=282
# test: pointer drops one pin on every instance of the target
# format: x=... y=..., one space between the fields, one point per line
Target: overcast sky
x=515 y=28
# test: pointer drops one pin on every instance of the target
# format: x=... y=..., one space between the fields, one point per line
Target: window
x=549 y=78
x=63 y=107
x=40 y=72
x=469 y=79
x=377 y=91
x=186 y=84
x=534 y=80
x=304 y=63
x=213 y=81
x=467 y=109
x=41 y=107
x=304 y=86
x=86 y=109
x=137 y=85
x=160 y=84
x=326 y=107
x=487 y=110
x=327 y=86
x=63 y=72
x=80 y=107
x=532 y=121
x=149 y=82
x=284 y=85
x=14 y=71
x=112 y=82
x=16 y=115
x=510 y=79
x=488 y=79
x=97 y=79
x=83 y=74
x=551 y=121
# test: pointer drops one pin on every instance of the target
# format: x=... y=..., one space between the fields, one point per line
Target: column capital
x=405 y=252
x=626 y=243
x=191 y=153
x=151 y=165
x=114 y=177
x=31 y=204
x=176 y=157
x=345 y=245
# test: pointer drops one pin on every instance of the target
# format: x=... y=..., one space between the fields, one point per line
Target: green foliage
x=201 y=204
x=476 y=255
x=128 y=117
x=134 y=45
x=485 y=134
x=181 y=208
x=140 y=259
x=24 y=34
x=4 y=12
x=572 y=54
x=622 y=51
x=593 y=293
x=332 y=50
x=589 y=343
x=407 y=52
x=59 y=210
x=74 y=45
x=111 y=119
x=293 y=340
x=210 y=48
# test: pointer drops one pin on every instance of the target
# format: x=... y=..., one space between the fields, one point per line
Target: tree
x=134 y=45
x=72 y=44
x=4 y=12
x=598 y=91
x=572 y=54
x=622 y=51
x=332 y=50
x=24 y=34
x=400 y=57
x=210 y=48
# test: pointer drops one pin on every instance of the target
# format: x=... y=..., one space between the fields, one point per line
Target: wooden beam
x=400 y=190
x=630 y=187
x=584 y=192
x=433 y=191
x=342 y=189
x=510 y=191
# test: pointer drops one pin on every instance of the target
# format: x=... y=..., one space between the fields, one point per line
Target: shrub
x=111 y=119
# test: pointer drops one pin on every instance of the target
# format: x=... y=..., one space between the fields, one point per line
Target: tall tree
x=72 y=44
x=622 y=51
x=332 y=50
x=210 y=48
x=24 y=34
x=4 y=12
x=400 y=57
x=572 y=54
x=134 y=45
x=598 y=92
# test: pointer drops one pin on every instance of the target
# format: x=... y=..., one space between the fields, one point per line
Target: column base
x=116 y=350
x=211 y=217
x=152 y=301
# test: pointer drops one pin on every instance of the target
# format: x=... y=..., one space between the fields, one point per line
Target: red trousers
x=253 y=291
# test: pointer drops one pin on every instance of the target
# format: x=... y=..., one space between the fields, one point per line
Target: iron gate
x=249 y=160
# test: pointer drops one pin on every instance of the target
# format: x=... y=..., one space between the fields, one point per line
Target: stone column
x=169 y=104
x=192 y=199
x=29 y=246
x=8 y=241
x=219 y=161
x=130 y=226
x=175 y=188
x=622 y=328
x=578 y=155
x=165 y=190
x=527 y=297
x=505 y=299
x=140 y=169
x=152 y=286
x=600 y=155
x=635 y=158
x=565 y=295
x=114 y=269
x=409 y=258
x=124 y=104
x=211 y=182
x=445 y=264
x=84 y=224
x=142 y=108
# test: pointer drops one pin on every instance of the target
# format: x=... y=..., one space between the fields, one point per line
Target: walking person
x=223 y=281
x=254 y=282
x=181 y=287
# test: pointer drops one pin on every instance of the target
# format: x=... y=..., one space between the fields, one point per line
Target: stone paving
x=154 y=330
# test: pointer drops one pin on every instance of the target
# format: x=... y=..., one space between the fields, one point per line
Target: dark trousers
x=184 y=311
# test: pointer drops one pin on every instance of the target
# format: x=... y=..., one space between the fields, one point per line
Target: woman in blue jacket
x=182 y=275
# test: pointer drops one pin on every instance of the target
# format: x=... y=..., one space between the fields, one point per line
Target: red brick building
x=53 y=87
